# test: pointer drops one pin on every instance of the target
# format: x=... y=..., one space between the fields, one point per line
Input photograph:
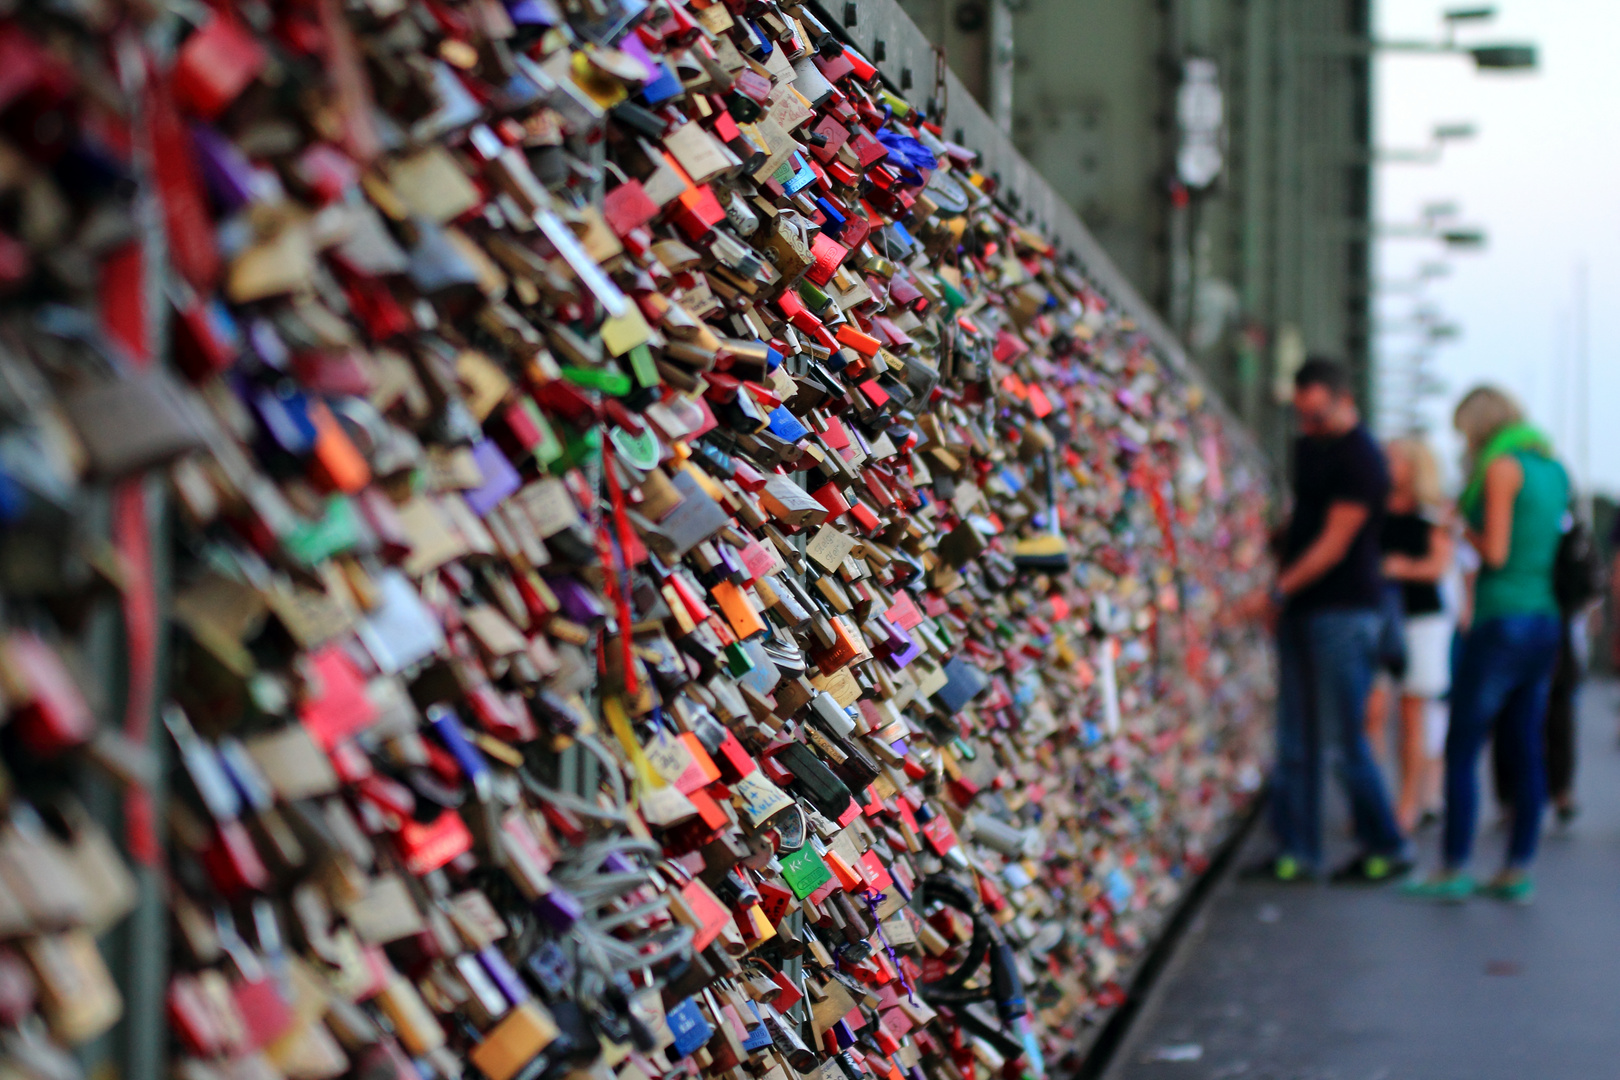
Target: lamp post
x=1497 y=56
x=1427 y=272
x=1402 y=386
x=1412 y=381
x=1457 y=36
x=1456 y=16
x=1427 y=155
x=1438 y=221
x=1457 y=237
x=1428 y=322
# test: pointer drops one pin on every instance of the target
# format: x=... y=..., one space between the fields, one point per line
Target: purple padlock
x=226 y=171
x=907 y=649
x=503 y=975
x=533 y=13
x=579 y=603
x=500 y=478
x=558 y=910
x=728 y=559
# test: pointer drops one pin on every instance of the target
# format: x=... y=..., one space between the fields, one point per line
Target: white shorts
x=1428 y=655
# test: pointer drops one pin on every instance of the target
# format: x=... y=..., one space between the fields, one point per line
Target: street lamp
x=1427 y=272
x=1426 y=320
x=1424 y=385
x=1465 y=239
x=1404 y=383
x=1410 y=386
x=1505 y=56
x=1437 y=333
x=1428 y=155
x=1464 y=15
x=1457 y=238
x=1435 y=224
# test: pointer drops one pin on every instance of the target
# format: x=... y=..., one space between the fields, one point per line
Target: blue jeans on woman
x=1326 y=661
x=1503 y=675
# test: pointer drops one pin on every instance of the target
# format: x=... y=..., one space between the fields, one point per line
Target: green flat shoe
x=1518 y=889
x=1453 y=889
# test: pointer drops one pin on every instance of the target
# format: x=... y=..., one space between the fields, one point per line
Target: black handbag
x=1577 y=568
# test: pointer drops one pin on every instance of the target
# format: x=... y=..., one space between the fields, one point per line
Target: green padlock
x=639 y=451
x=583 y=447
x=337 y=531
x=643 y=366
x=804 y=871
x=612 y=383
x=550 y=448
x=738 y=661
x=813 y=298
x=900 y=106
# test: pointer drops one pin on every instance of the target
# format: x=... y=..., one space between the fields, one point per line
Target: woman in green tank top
x=1515 y=506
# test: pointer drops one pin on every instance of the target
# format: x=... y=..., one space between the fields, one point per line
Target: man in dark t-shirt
x=1327 y=595
x=1337 y=469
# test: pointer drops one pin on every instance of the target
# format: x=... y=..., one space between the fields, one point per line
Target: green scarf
x=1510 y=440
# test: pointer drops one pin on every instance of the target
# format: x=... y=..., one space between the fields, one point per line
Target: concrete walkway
x=1289 y=983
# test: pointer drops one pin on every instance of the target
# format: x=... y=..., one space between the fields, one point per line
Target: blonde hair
x=1483 y=412
x=1425 y=469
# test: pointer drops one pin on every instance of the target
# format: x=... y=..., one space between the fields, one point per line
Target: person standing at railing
x=1326 y=603
x=1514 y=505
x=1417 y=555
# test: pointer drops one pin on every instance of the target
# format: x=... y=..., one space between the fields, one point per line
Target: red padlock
x=53 y=714
x=215 y=64
x=233 y=862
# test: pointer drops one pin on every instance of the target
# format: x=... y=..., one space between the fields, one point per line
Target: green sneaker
x=1284 y=869
x=1513 y=889
x=1372 y=870
x=1451 y=889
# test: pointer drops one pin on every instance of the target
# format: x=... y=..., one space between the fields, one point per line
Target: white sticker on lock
x=1108 y=684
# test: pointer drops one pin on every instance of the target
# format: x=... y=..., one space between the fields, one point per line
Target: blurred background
x=1420 y=189
x=1530 y=307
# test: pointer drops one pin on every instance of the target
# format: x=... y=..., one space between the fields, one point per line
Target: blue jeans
x=1503 y=676
x=1326 y=661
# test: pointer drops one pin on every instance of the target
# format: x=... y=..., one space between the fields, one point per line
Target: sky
x=1542 y=179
